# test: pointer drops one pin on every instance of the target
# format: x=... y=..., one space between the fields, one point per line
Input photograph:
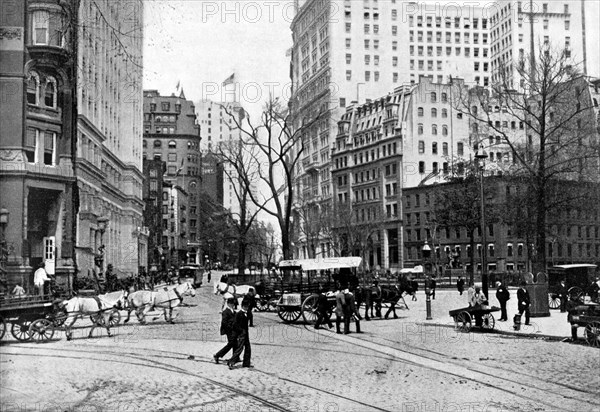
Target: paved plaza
x=404 y=364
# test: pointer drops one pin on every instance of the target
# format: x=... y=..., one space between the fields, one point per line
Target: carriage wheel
x=2 y=327
x=576 y=293
x=553 y=301
x=592 y=334
x=58 y=318
x=273 y=304
x=21 y=331
x=42 y=330
x=463 y=322
x=309 y=309
x=96 y=318
x=114 y=318
x=262 y=305
x=288 y=314
x=488 y=321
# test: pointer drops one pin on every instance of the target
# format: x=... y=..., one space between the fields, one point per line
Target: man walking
x=251 y=305
x=227 y=321
x=323 y=311
x=524 y=302
x=350 y=312
x=503 y=295
x=240 y=331
x=340 y=307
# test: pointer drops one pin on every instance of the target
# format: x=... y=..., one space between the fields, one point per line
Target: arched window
x=172 y=144
x=444 y=97
x=434 y=129
x=444 y=113
x=434 y=112
x=444 y=130
x=157 y=143
x=50 y=93
x=433 y=97
x=420 y=128
x=33 y=84
x=420 y=112
x=158 y=119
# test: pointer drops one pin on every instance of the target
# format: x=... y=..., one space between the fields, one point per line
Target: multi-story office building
x=153 y=211
x=520 y=29
x=109 y=133
x=172 y=134
x=364 y=51
x=71 y=137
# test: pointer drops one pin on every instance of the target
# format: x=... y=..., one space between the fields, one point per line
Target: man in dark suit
x=227 y=319
x=323 y=315
x=503 y=295
x=240 y=331
x=563 y=293
x=460 y=285
x=524 y=301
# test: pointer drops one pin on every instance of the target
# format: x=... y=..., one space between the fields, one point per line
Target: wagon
x=464 y=318
x=300 y=297
x=30 y=318
x=587 y=316
x=578 y=278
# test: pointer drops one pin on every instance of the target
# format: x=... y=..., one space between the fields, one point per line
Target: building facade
x=37 y=139
x=109 y=135
x=153 y=210
x=172 y=135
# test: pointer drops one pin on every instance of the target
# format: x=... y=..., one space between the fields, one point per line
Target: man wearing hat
x=524 y=301
x=503 y=295
x=227 y=319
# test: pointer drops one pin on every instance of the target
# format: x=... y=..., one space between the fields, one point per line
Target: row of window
x=39 y=91
x=41 y=146
x=165 y=107
x=439 y=51
x=467 y=23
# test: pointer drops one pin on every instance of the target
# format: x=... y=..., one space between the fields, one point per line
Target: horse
x=233 y=291
x=99 y=307
x=166 y=298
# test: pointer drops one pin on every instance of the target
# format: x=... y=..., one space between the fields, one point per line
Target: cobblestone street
x=396 y=365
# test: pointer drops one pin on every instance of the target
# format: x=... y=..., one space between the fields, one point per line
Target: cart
x=464 y=318
x=300 y=298
x=30 y=318
x=578 y=278
x=587 y=316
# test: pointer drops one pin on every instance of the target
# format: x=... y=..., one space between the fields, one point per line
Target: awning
x=321 y=263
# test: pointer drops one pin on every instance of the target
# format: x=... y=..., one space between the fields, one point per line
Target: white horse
x=233 y=291
x=99 y=307
x=166 y=298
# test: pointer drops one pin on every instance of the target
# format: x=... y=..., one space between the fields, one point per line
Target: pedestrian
x=524 y=301
x=251 y=300
x=415 y=288
x=40 y=277
x=209 y=275
x=433 y=285
x=18 y=291
x=479 y=302
x=350 y=312
x=240 y=330
x=563 y=294
x=471 y=294
x=393 y=302
x=227 y=320
x=340 y=303
x=375 y=299
x=323 y=315
x=503 y=295
x=111 y=278
x=460 y=285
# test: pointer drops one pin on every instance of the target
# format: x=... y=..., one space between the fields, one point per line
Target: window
x=50 y=93
x=434 y=148
x=33 y=88
x=165 y=106
x=172 y=144
x=41 y=21
x=420 y=128
x=445 y=149
x=460 y=149
x=433 y=97
x=444 y=113
x=348 y=58
x=434 y=129
x=420 y=112
x=434 y=112
x=421 y=146
x=157 y=143
x=444 y=130
x=421 y=167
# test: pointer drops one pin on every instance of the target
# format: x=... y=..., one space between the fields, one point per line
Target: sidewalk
x=553 y=327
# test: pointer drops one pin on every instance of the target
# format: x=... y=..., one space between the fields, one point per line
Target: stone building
x=172 y=135
x=153 y=207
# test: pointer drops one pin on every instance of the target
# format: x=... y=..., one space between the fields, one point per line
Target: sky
x=200 y=43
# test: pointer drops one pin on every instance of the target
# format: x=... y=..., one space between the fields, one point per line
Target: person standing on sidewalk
x=323 y=311
x=524 y=302
x=460 y=285
x=227 y=320
x=240 y=331
x=251 y=305
x=340 y=304
x=563 y=293
x=503 y=295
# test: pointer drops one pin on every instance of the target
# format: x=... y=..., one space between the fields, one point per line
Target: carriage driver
x=40 y=277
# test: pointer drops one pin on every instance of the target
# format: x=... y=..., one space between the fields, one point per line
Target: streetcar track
x=515 y=393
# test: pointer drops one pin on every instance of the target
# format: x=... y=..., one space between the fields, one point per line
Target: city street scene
x=299 y=205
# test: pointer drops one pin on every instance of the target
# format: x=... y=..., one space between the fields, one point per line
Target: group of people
x=346 y=309
x=234 y=325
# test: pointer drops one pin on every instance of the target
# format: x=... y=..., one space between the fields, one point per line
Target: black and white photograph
x=299 y=205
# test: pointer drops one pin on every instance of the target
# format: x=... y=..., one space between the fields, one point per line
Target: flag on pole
x=180 y=169
x=229 y=80
x=178 y=84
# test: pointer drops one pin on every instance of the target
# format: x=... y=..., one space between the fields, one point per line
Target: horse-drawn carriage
x=306 y=278
x=577 y=277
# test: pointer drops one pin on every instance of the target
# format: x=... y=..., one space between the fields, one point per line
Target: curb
x=504 y=332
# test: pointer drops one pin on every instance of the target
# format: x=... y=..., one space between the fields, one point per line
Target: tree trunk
x=241 y=263
x=540 y=230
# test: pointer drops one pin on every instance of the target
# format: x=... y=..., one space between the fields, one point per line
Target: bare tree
x=545 y=122
x=277 y=148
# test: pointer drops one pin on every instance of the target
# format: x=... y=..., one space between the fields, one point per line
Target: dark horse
x=390 y=294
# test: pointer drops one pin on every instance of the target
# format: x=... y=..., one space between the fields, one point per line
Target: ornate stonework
x=12 y=155
x=11 y=33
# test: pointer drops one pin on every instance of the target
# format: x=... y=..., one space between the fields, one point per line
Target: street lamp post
x=481 y=155
x=426 y=254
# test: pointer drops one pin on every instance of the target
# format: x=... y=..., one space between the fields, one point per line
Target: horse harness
x=227 y=289
x=179 y=297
